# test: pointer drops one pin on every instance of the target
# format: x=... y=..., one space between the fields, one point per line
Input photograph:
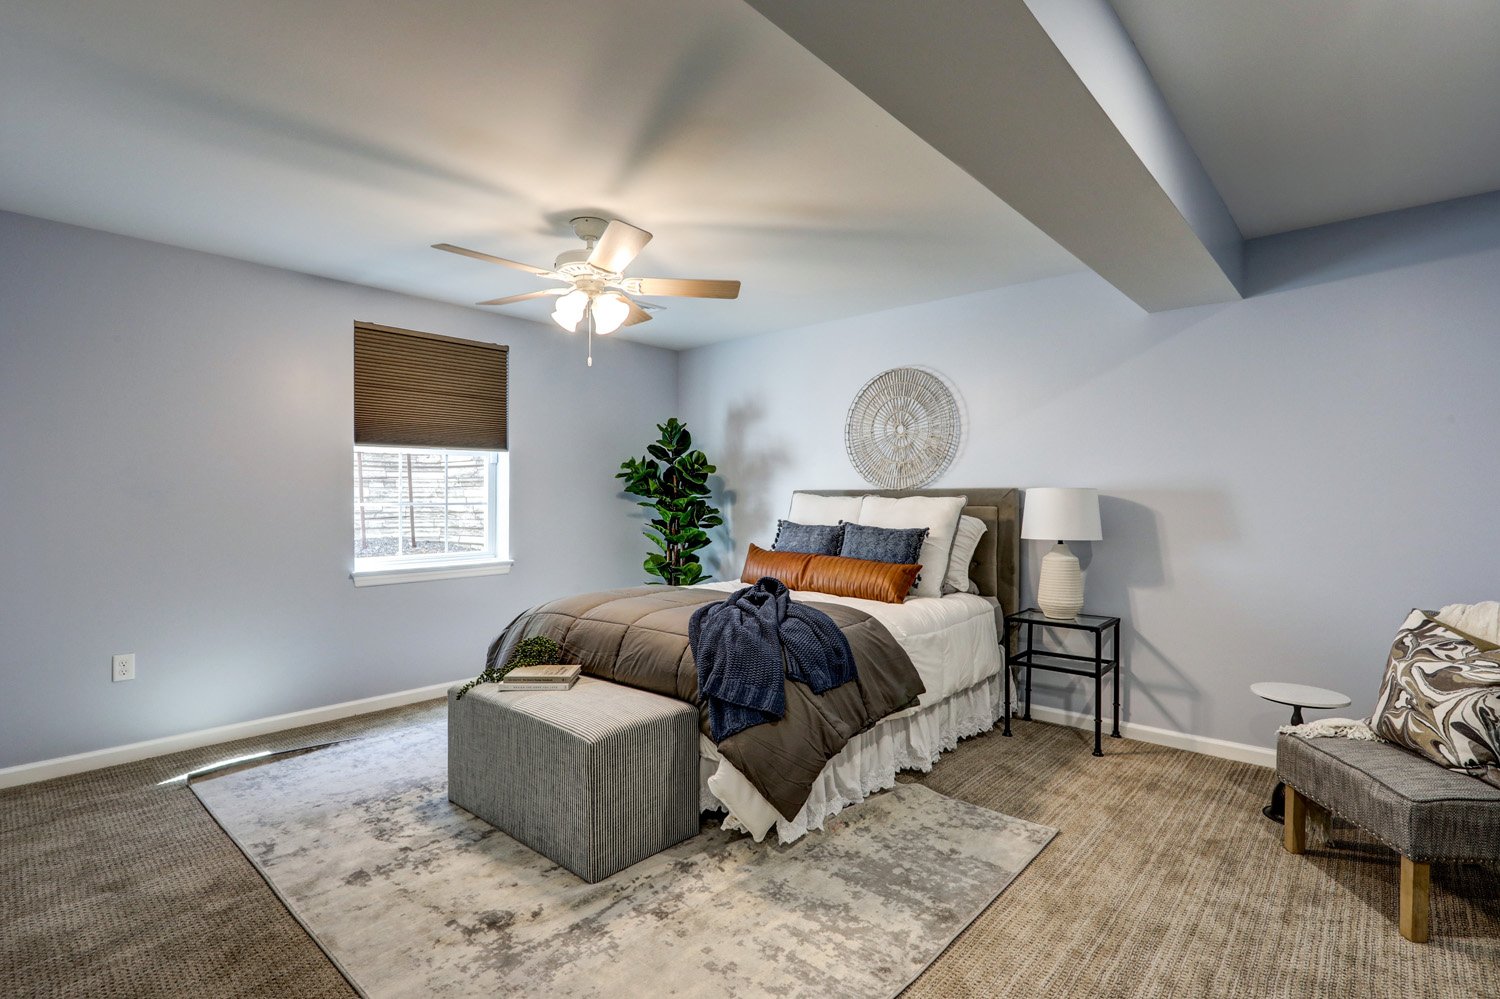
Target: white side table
x=1297 y=696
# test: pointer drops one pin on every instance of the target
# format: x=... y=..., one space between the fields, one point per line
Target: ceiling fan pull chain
x=591 y=334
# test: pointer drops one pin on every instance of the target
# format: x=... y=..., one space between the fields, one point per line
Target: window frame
x=382 y=569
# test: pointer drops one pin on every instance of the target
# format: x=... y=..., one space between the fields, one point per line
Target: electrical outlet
x=122 y=667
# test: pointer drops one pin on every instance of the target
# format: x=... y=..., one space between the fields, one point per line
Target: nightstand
x=1096 y=666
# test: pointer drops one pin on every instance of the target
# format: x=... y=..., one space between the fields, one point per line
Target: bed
x=953 y=642
x=929 y=674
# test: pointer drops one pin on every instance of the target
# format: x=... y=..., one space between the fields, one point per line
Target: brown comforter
x=638 y=637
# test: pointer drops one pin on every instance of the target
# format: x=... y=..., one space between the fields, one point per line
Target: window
x=429 y=506
x=430 y=469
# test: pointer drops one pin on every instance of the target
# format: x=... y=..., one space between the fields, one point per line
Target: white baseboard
x=1240 y=752
x=62 y=766
x=28 y=773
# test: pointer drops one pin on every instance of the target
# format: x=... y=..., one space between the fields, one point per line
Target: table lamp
x=1061 y=515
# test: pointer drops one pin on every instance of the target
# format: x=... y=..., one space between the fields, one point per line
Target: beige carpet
x=1163 y=881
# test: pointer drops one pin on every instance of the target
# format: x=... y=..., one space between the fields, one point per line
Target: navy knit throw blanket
x=747 y=645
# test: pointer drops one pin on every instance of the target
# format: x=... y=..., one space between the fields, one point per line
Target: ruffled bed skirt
x=871 y=760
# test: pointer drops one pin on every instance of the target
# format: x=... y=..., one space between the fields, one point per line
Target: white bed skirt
x=911 y=740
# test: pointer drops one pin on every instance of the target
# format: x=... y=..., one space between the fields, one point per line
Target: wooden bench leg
x=1416 y=896
x=1294 y=828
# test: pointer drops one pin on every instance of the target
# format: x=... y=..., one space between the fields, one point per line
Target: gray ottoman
x=595 y=778
x=1419 y=809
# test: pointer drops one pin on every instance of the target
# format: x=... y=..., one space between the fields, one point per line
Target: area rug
x=411 y=895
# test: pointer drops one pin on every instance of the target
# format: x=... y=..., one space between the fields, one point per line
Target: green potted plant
x=672 y=480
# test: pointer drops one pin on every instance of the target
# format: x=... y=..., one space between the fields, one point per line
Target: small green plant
x=538 y=650
x=673 y=481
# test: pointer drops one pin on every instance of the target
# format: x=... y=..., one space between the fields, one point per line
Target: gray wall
x=1284 y=477
x=175 y=434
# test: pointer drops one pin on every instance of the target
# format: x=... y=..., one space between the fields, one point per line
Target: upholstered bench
x=1419 y=809
x=595 y=778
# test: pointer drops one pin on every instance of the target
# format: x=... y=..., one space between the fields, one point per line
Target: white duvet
x=952 y=642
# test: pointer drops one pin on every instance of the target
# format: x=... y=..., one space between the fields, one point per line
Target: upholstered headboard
x=997 y=563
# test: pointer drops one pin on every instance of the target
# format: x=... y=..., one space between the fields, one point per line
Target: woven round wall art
x=903 y=429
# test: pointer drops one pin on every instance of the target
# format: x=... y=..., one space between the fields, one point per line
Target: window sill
x=421 y=573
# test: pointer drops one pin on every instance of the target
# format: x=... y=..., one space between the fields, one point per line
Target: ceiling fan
x=597 y=293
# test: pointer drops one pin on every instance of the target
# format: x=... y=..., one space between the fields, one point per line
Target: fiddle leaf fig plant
x=672 y=480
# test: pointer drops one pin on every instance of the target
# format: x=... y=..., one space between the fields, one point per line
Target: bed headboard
x=997 y=563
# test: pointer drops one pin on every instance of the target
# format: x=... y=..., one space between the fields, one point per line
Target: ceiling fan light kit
x=570 y=310
x=598 y=295
x=610 y=311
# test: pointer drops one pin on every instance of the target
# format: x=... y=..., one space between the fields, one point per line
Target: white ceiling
x=1306 y=113
x=342 y=137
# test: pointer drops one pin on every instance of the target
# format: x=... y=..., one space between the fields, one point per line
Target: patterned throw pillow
x=901 y=545
x=1441 y=698
x=813 y=539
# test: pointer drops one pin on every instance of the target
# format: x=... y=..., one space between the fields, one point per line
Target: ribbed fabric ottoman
x=595 y=778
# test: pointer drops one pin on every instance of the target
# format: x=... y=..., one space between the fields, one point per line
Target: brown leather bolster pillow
x=887 y=582
x=789 y=567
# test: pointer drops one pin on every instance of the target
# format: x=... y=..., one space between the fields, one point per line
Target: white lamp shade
x=609 y=312
x=1054 y=514
x=569 y=310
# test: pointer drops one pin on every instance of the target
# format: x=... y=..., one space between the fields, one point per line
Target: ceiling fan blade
x=508 y=299
x=687 y=288
x=637 y=314
x=491 y=258
x=618 y=246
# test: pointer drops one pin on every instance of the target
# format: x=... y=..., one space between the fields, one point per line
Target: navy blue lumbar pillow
x=902 y=545
x=809 y=539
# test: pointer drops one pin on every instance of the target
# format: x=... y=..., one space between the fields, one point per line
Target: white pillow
x=965 y=544
x=939 y=514
x=1480 y=620
x=831 y=510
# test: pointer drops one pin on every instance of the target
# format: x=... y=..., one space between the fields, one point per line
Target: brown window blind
x=423 y=390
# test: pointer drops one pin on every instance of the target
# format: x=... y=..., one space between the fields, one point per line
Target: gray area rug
x=411 y=895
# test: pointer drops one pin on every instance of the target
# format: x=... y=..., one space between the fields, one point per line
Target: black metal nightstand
x=1099 y=666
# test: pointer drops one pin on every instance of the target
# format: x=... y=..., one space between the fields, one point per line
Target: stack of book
x=540 y=678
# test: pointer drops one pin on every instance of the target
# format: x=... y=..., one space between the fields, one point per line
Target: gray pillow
x=902 y=545
x=811 y=539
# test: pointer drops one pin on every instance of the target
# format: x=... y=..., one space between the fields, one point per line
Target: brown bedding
x=638 y=637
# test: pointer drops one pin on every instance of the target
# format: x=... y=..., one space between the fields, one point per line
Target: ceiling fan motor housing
x=574 y=263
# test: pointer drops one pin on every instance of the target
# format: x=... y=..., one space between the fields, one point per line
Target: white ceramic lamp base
x=1059 y=591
